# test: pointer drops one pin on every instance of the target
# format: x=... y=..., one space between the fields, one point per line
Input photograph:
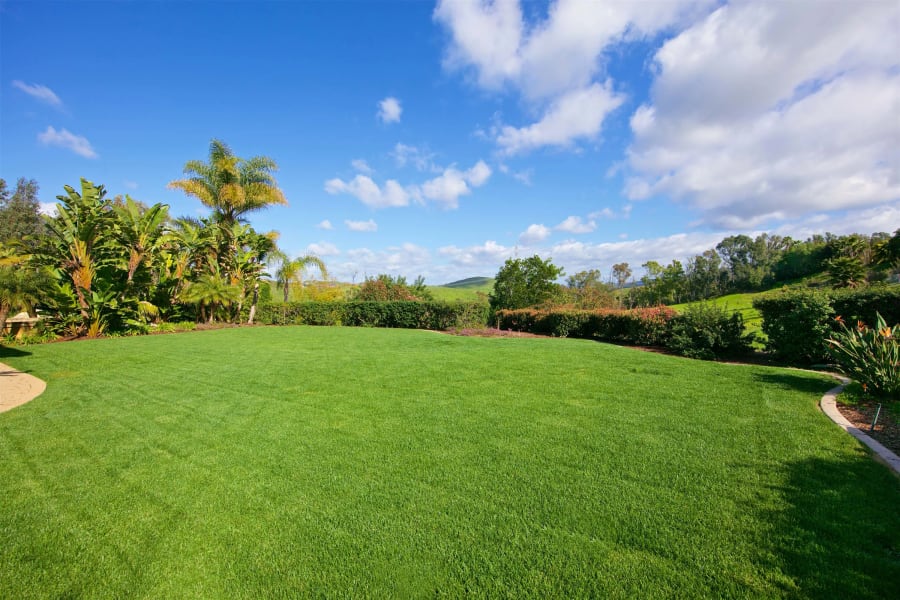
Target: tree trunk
x=4 y=312
x=253 y=306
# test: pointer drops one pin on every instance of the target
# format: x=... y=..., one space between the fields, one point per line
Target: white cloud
x=326 y=224
x=576 y=115
x=369 y=225
x=576 y=225
x=40 y=92
x=368 y=192
x=534 y=234
x=763 y=112
x=66 y=139
x=389 y=110
x=323 y=249
x=603 y=213
x=406 y=259
x=489 y=253
x=555 y=62
x=447 y=187
x=48 y=208
x=421 y=158
x=362 y=166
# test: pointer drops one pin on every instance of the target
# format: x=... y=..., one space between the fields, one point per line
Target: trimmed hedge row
x=638 y=326
x=798 y=322
x=354 y=313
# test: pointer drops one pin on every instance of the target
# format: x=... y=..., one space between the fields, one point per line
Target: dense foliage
x=524 y=282
x=637 y=326
x=798 y=322
x=405 y=314
x=869 y=355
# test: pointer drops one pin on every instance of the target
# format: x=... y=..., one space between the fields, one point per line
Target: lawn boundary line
x=828 y=404
x=17 y=388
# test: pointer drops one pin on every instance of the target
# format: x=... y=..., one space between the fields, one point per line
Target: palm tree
x=291 y=271
x=209 y=291
x=229 y=185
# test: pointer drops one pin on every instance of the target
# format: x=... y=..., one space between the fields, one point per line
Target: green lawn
x=292 y=462
x=742 y=303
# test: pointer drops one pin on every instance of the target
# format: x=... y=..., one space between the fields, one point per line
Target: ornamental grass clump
x=870 y=356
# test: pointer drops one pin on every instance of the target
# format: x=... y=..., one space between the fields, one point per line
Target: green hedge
x=639 y=326
x=399 y=314
x=798 y=322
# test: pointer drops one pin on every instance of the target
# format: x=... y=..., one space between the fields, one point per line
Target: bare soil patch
x=862 y=412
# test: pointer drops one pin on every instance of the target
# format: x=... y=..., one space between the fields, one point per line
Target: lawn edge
x=828 y=404
x=18 y=388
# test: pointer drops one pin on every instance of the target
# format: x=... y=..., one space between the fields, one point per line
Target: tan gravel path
x=17 y=388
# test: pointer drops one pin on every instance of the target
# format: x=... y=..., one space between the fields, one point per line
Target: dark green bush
x=798 y=321
x=399 y=314
x=639 y=326
x=709 y=332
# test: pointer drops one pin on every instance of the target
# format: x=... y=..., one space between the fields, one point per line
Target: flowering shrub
x=870 y=356
x=637 y=326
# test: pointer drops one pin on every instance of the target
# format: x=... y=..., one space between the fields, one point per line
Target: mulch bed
x=887 y=429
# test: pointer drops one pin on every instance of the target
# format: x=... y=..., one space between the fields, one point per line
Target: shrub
x=796 y=324
x=638 y=326
x=708 y=331
x=402 y=314
x=870 y=356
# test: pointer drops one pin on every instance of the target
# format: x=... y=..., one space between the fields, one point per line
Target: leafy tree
x=386 y=288
x=587 y=290
x=139 y=230
x=20 y=218
x=846 y=271
x=621 y=272
x=521 y=283
x=702 y=275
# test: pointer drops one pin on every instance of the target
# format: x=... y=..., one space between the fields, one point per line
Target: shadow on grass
x=7 y=351
x=799 y=382
x=839 y=535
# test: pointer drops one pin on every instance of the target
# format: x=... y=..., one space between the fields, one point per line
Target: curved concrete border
x=17 y=388
x=828 y=403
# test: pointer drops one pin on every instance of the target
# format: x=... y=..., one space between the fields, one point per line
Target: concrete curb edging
x=828 y=403
x=17 y=388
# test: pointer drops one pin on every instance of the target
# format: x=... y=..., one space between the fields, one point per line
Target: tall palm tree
x=291 y=271
x=230 y=185
x=139 y=231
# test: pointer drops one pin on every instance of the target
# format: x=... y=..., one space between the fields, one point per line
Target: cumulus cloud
x=447 y=187
x=39 y=92
x=370 y=193
x=389 y=110
x=322 y=249
x=362 y=166
x=554 y=62
x=326 y=224
x=763 y=112
x=576 y=225
x=369 y=225
x=68 y=140
x=480 y=256
x=534 y=234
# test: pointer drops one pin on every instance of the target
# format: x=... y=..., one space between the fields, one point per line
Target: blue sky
x=429 y=139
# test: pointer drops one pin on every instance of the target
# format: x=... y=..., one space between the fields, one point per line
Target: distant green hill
x=472 y=283
x=471 y=289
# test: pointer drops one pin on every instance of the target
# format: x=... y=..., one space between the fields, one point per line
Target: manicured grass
x=295 y=461
x=742 y=303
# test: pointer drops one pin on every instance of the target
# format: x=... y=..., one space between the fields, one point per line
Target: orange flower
x=839 y=319
x=886 y=332
x=860 y=326
x=865 y=388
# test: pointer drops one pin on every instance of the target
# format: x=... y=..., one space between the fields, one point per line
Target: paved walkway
x=17 y=388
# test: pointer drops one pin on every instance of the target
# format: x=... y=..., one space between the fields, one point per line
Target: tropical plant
x=290 y=271
x=230 y=185
x=209 y=292
x=871 y=356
